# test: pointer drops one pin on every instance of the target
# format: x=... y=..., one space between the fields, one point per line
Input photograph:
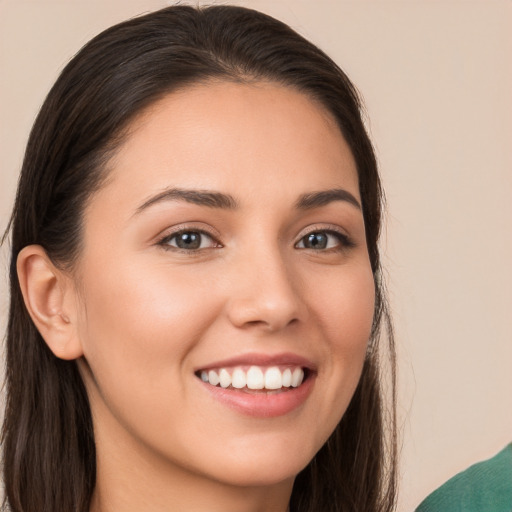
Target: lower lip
x=263 y=405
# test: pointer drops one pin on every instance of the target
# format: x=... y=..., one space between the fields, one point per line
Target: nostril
x=270 y=317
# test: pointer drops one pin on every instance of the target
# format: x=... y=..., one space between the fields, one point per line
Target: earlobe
x=50 y=300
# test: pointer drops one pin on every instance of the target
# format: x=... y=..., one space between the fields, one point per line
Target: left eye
x=320 y=240
x=189 y=240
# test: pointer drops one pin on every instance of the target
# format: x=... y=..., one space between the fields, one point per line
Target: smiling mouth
x=255 y=379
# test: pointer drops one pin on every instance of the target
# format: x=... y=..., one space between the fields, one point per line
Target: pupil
x=317 y=241
x=189 y=241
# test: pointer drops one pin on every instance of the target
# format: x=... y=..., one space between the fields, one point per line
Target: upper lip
x=256 y=359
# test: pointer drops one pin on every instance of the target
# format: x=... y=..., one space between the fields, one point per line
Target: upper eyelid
x=184 y=228
x=318 y=228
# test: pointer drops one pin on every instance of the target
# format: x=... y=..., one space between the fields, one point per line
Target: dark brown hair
x=48 y=441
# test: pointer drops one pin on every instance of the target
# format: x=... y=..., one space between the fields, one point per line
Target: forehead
x=232 y=136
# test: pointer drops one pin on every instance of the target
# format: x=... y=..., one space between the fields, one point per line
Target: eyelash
x=344 y=242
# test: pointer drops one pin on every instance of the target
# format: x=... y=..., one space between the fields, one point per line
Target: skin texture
x=143 y=316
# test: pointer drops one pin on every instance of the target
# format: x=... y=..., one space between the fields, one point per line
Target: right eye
x=325 y=240
x=189 y=240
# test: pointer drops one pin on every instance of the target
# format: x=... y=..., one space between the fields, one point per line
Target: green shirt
x=484 y=487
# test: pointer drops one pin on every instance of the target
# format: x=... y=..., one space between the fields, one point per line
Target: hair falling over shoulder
x=49 y=460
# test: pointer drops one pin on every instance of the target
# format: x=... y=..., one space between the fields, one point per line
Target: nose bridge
x=265 y=290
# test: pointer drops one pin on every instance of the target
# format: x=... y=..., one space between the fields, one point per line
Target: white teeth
x=213 y=378
x=287 y=378
x=225 y=378
x=273 y=379
x=255 y=378
x=238 y=379
x=297 y=377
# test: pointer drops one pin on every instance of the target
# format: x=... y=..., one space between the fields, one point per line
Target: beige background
x=437 y=79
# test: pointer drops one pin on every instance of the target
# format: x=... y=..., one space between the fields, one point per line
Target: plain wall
x=437 y=80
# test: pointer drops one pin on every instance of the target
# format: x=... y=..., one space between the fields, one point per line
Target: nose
x=265 y=293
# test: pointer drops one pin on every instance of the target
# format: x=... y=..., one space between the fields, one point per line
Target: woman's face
x=228 y=243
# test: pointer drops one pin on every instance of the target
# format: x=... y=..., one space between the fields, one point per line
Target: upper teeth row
x=255 y=377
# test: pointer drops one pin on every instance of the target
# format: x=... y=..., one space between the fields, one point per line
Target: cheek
x=345 y=313
x=141 y=320
x=142 y=324
x=344 y=306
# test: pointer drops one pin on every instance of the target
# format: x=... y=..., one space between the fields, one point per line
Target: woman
x=196 y=294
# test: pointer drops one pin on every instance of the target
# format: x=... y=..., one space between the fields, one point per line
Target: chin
x=262 y=467
x=262 y=476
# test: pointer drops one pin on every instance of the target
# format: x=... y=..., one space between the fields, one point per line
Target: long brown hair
x=48 y=440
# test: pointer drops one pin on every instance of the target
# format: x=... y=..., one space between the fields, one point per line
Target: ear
x=50 y=298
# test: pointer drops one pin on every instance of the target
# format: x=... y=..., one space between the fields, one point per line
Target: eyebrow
x=221 y=200
x=199 y=197
x=324 y=197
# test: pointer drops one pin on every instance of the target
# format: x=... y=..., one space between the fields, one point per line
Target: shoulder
x=484 y=487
